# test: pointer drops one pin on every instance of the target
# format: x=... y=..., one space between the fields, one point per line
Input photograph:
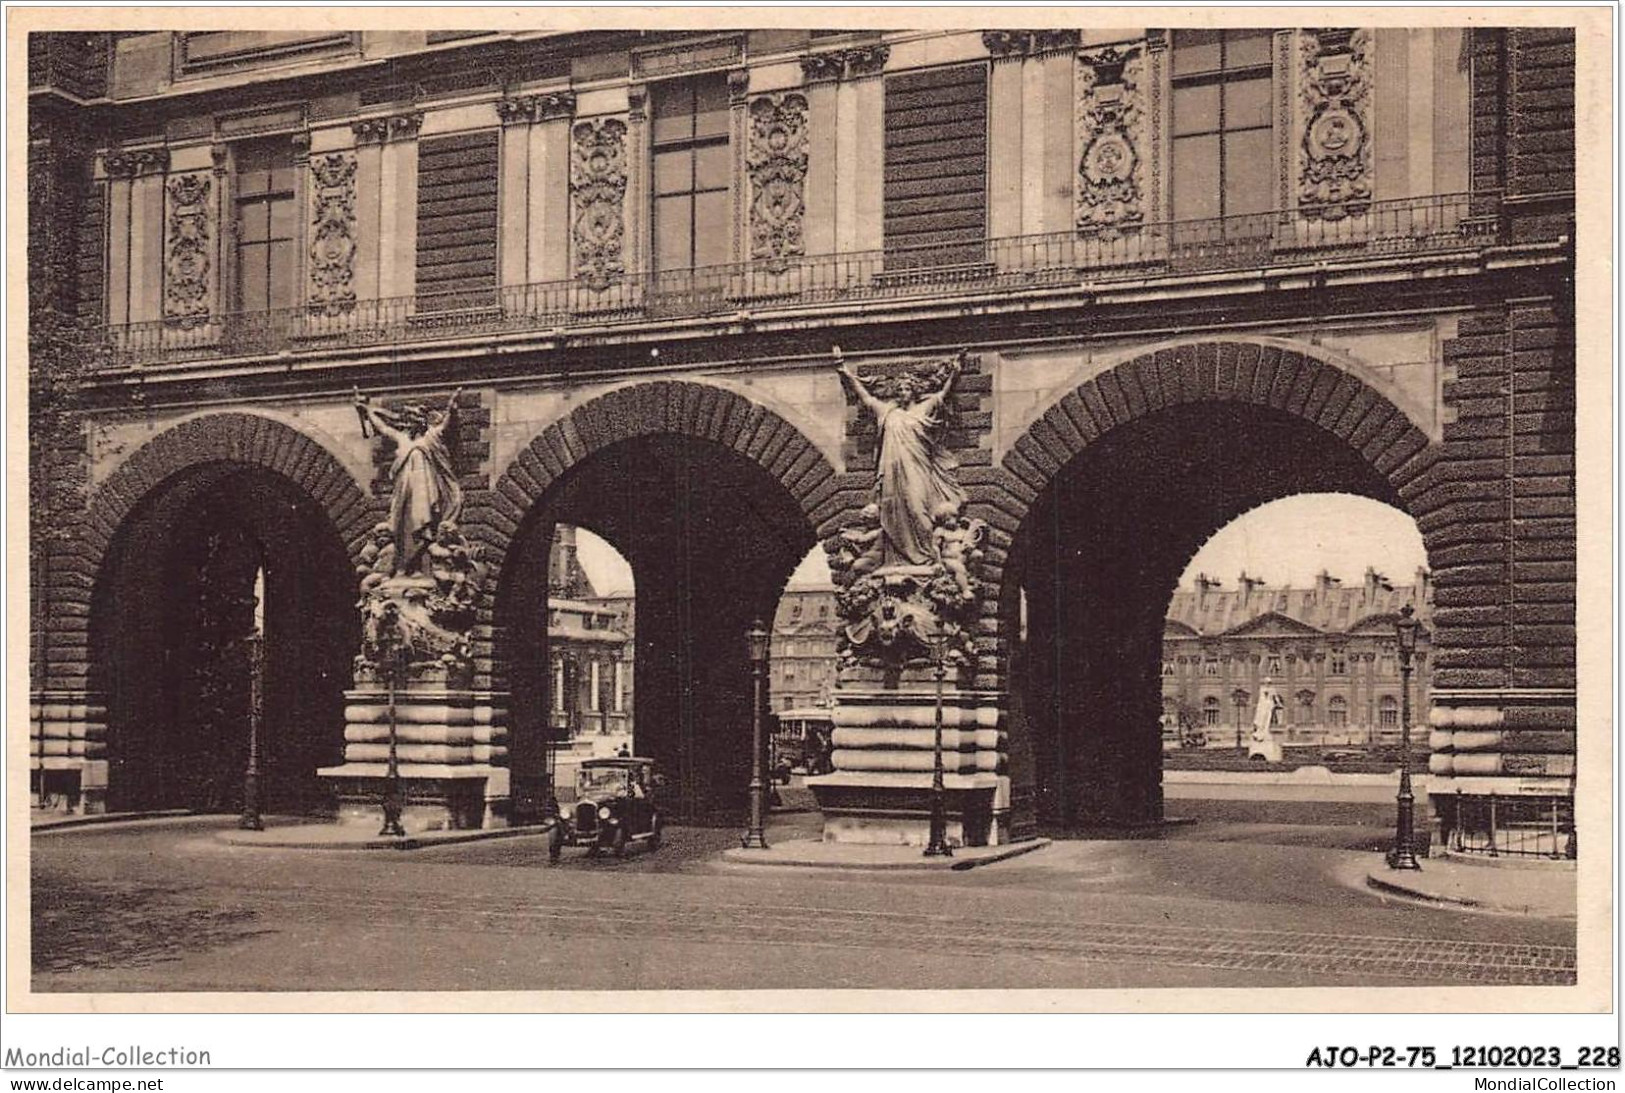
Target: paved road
x=168 y=907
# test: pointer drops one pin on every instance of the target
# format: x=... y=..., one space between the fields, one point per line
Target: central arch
x=1113 y=490
x=713 y=500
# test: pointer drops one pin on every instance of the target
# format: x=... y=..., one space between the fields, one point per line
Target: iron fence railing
x=1382 y=229
x=1498 y=826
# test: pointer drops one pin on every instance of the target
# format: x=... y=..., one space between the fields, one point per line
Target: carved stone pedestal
x=880 y=791
x=451 y=756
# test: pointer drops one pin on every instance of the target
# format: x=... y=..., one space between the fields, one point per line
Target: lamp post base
x=1403 y=859
x=753 y=840
x=392 y=811
x=250 y=819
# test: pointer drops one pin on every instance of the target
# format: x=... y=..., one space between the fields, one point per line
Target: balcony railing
x=1277 y=240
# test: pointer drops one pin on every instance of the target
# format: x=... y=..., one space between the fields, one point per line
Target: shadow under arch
x=713 y=501
x=1119 y=484
x=173 y=540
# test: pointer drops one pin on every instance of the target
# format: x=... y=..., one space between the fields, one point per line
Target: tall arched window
x=1388 y=712
x=1337 y=712
x=1210 y=711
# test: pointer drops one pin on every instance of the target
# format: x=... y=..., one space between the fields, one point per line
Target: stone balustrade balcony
x=1164 y=257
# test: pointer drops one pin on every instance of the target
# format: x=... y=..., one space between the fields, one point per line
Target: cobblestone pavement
x=173 y=909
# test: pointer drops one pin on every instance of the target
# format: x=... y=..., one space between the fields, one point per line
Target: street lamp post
x=1403 y=855
x=393 y=653
x=756 y=641
x=251 y=819
x=936 y=845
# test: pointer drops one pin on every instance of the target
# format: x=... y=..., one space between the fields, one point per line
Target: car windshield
x=601 y=779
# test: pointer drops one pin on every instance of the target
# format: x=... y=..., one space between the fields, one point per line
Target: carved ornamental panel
x=777 y=159
x=1334 y=178
x=187 y=240
x=598 y=195
x=1112 y=132
x=332 y=237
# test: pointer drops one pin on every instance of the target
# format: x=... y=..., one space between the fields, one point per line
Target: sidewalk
x=49 y=819
x=816 y=854
x=1544 y=889
x=356 y=836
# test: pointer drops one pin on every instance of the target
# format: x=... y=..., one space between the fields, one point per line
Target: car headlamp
x=603 y=812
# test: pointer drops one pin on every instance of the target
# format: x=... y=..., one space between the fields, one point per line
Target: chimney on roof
x=1324 y=583
x=1422 y=592
x=1247 y=584
x=1204 y=584
x=1373 y=582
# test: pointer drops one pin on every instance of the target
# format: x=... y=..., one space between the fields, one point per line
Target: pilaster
x=513 y=190
x=1005 y=139
x=371 y=223
x=637 y=208
x=138 y=194
x=820 y=88
x=846 y=93
x=868 y=104
x=739 y=145
x=398 y=190
x=548 y=226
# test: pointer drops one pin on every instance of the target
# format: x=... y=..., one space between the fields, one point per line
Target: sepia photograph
x=807 y=500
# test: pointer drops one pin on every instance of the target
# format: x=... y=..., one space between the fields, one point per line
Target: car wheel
x=617 y=841
x=654 y=832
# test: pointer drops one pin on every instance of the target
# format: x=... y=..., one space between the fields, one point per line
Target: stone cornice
x=854 y=62
x=143 y=161
x=1029 y=43
x=542 y=106
x=393 y=127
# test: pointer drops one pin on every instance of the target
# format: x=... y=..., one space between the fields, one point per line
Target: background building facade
x=589 y=640
x=1191 y=271
x=801 y=657
x=1329 y=651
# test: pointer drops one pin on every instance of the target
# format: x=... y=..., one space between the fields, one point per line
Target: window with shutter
x=935 y=203
x=457 y=221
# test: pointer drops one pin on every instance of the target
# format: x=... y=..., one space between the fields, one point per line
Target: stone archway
x=1104 y=499
x=713 y=499
x=118 y=627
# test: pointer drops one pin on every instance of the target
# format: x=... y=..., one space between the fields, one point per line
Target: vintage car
x=614 y=807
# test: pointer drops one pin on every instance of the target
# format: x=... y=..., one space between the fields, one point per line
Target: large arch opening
x=172 y=606
x=711 y=538
x=1098 y=558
